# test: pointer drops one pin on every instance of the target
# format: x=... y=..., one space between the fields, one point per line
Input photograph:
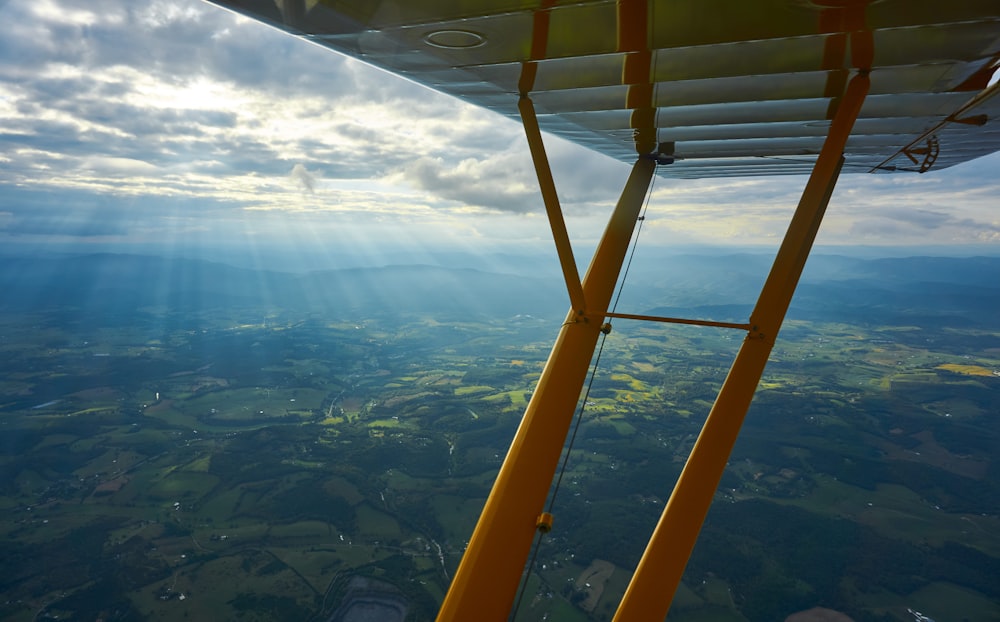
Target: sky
x=176 y=126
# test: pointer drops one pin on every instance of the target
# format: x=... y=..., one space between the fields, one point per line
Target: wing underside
x=719 y=87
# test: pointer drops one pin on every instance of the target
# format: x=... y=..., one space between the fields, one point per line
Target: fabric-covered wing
x=719 y=87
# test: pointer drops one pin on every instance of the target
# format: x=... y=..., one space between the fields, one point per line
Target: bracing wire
x=600 y=351
x=794 y=160
x=579 y=415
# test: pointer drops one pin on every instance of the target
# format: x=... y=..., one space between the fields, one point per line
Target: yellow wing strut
x=488 y=576
x=652 y=588
x=486 y=582
x=551 y=200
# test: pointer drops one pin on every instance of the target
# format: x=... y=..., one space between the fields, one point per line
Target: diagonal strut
x=659 y=572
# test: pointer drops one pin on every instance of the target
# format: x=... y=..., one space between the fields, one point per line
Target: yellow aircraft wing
x=719 y=87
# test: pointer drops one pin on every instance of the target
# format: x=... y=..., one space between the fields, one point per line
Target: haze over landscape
x=191 y=439
x=270 y=318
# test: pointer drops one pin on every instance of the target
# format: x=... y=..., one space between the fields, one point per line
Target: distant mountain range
x=123 y=283
x=961 y=291
x=838 y=288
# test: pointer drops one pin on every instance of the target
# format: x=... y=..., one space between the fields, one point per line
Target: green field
x=243 y=468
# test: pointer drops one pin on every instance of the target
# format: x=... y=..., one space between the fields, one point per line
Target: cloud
x=120 y=119
x=181 y=99
x=305 y=179
x=919 y=218
x=474 y=183
x=918 y=224
x=118 y=167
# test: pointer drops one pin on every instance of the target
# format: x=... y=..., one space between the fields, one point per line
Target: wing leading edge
x=721 y=87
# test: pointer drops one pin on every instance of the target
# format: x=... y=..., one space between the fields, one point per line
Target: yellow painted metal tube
x=659 y=572
x=487 y=579
x=551 y=201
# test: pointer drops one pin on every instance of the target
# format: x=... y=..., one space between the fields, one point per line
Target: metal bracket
x=929 y=153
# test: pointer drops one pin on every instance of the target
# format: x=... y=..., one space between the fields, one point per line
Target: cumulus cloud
x=304 y=179
x=473 y=183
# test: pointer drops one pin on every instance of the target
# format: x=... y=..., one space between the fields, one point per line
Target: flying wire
x=583 y=405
